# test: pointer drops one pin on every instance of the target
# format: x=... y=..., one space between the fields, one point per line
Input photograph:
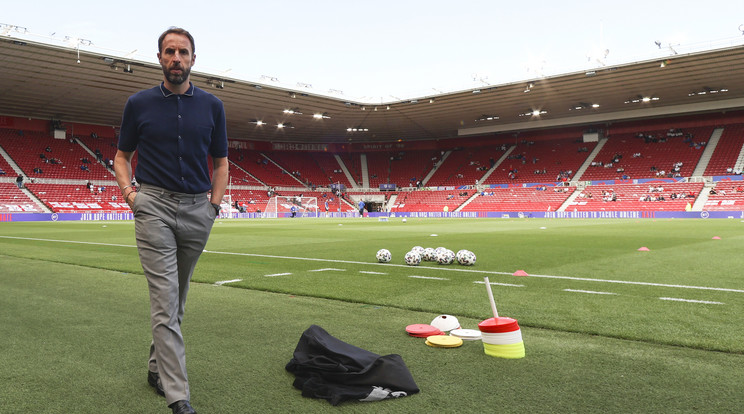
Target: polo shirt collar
x=166 y=92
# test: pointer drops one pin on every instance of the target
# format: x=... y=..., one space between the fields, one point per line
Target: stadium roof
x=44 y=81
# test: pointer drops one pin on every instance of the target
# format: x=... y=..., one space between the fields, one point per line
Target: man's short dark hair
x=176 y=30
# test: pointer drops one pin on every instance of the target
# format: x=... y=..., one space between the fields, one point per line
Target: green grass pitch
x=606 y=327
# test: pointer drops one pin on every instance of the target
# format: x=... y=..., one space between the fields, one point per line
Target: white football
x=465 y=257
x=429 y=255
x=384 y=256
x=418 y=249
x=412 y=258
x=445 y=257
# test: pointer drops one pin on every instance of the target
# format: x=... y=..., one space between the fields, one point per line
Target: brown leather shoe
x=182 y=407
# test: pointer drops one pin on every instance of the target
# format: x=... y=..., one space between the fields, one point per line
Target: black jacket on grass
x=326 y=367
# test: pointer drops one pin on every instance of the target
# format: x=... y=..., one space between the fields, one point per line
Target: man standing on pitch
x=174 y=127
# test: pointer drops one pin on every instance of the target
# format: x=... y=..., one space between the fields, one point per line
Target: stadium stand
x=655 y=196
x=650 y=154
x=353 y=163
x=726 y=195
x=6 y=170
x=412 y=166
x=39 y=155
x=539 y=164
x=238 y=176
x=308 y=167
x=262 y=168
x=68 y=198
x=545 y=161
x=465 y=165
x=538 y=198
x=13 y=200
x=251 y=200
x=728 y=151
x=402 y=168
x=107 y=148
x=430 y=200
x=378 y=169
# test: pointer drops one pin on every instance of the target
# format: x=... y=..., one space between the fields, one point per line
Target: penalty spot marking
x=707 y=302
x=278 y=274
x=498 y=284
x=222 y=282
x=591 y=292
x=429 y=277
x=371 y=273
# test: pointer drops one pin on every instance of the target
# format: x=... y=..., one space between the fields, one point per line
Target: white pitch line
x=708 y=302
x=371 y=273
x=589 y=291
x=627 y=282
x=278 y=274
x=67 y=241
x=222 y=282
x=498 y=284
x=438 y=268
x=429 y=277
x=327 y=269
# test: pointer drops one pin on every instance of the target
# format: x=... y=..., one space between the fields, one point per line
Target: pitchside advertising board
x=112 y=216
x=65 y=216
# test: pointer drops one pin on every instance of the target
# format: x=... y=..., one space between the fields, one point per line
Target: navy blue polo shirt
x=174 y=135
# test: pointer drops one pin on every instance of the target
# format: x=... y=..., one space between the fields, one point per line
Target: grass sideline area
x=597 y=335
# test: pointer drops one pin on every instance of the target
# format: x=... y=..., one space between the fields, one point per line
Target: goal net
x=281 y=206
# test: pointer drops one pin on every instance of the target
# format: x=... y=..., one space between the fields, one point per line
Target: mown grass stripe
x=439 y=268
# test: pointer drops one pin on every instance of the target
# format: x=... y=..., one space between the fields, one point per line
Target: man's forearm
x=220 y=176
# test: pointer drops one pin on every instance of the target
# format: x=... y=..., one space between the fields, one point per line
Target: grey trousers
x=171 y=231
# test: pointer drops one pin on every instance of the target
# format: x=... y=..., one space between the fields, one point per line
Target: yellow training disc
x=443 y=341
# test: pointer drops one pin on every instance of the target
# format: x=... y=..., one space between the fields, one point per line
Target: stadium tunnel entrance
x=373 y=206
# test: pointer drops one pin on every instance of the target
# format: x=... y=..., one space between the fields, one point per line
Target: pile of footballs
x=441 y=255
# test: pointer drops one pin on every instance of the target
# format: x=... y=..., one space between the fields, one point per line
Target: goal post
x=281 y=206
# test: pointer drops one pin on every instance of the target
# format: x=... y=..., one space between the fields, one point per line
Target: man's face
x=176 y=58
